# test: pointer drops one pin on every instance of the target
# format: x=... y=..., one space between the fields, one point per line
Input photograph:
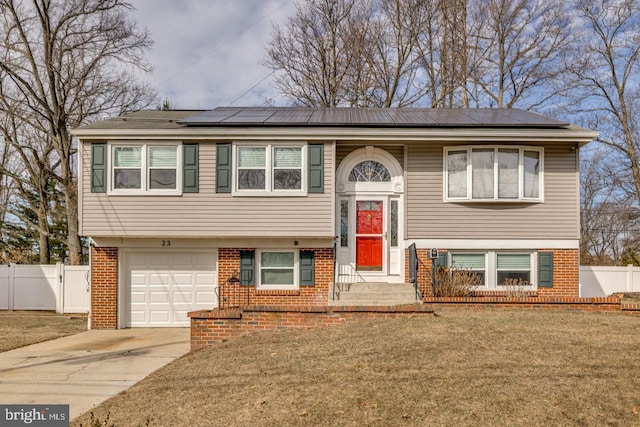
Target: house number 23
x=166 y=243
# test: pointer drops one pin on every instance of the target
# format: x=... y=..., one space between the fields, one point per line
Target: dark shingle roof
x=365 y=117
x=146 y=119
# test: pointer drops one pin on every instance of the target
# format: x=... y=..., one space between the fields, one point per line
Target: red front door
x=369 y=232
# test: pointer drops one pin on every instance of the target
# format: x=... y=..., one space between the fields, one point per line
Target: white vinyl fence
x=596 y=281
x=63 y=288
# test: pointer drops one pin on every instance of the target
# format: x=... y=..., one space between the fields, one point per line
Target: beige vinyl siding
x=429 y=217
x=207 y=213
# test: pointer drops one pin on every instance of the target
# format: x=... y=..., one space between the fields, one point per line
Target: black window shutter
x=545 y=269
x=247 y=268
x=316 y=168
x=98 y=168
x=223 y=168
x=190 y=168
x=307 y=268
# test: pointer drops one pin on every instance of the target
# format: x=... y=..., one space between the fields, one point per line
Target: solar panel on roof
x=284 y=116
x=331 y=116
x=371 y=115
x=408 y=117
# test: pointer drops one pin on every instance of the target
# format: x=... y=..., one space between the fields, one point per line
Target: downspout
x=88 y=279
x=335 y=273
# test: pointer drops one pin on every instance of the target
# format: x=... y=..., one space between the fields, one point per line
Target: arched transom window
x=369 y=171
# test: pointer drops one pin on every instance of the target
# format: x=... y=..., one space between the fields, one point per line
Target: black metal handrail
x=413 y=269
x=335 y=263
x=232 y=294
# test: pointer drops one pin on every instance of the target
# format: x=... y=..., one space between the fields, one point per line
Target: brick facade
x=104 y=284
x=566 y=272
x=305 y=296
x=104 y=288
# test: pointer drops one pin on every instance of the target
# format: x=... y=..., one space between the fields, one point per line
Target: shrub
x=456 y=282
x=515 y=288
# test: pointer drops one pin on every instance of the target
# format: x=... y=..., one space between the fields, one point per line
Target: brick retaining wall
x=610 y=304
x=211 y=327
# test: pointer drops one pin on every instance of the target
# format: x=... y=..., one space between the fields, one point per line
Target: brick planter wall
x=229 y=264
x=566 y=273
x=608 y=304
x=211 y=327
x=104 y=288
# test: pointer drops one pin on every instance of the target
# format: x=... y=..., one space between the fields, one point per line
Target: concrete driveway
x=85 y=369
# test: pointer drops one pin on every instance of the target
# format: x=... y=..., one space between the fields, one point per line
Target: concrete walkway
x=85 y=369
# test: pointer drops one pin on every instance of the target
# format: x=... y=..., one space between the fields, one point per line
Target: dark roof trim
x=373 y=117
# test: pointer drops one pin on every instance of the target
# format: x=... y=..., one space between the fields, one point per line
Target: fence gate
x=59 y=287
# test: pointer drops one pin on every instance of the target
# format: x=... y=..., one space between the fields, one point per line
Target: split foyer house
x=291 y=205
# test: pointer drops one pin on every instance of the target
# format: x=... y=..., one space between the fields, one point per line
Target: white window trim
x=491 y=268
x=296 y=269
x=530 y=269
x=144 y=190
x=269 y=191
x=495 y=199
x=485 y=270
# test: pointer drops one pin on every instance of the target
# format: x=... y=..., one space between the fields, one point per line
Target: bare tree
x=607 y=66
x=437 y=53
x=314 y=52
x=453 y=54
x=395 y=66
x=608 y=219
x=516 y=50
x=437 y=34
x=350 y=53
x=70 y=62
x=30 y=177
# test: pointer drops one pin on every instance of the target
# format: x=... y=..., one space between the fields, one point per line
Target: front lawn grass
x=21 y=328
x=490 y=368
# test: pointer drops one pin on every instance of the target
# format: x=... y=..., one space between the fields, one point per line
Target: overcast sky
x=208 y=53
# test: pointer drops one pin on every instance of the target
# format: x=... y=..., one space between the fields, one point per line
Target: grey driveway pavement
x=85 y=369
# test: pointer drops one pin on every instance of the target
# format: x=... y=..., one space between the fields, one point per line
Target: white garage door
x=163 y=287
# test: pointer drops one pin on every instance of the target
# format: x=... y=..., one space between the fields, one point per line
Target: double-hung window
x=252 y=168
x=513 y=269
x=475 y=262
x=493 y=173
x=278 y=269
x=145 y=168
x=270 y=168
x=497 y=269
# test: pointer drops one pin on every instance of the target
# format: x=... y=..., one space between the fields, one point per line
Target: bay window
x=493 y=174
